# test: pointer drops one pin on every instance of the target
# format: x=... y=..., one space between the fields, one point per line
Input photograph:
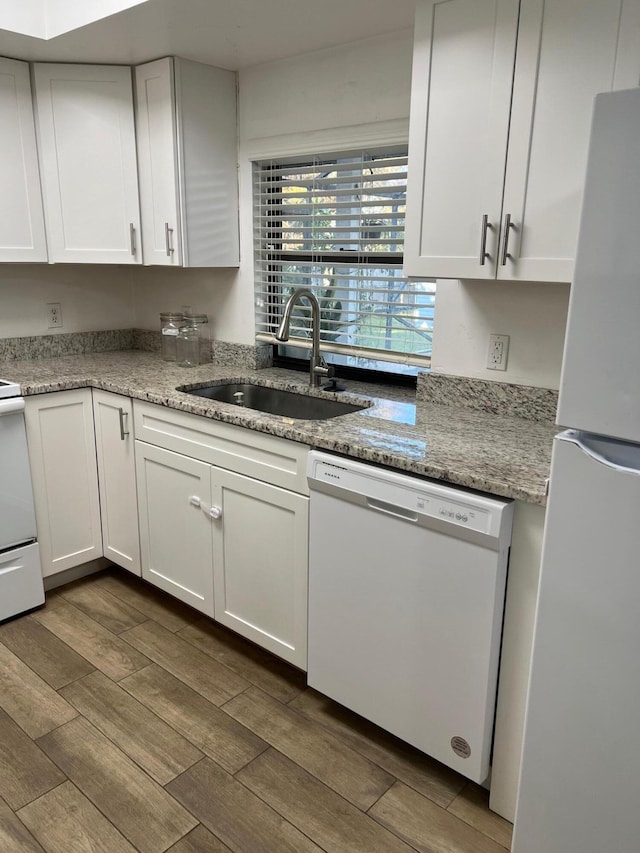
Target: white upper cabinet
x=524 y=174
x=187 y=162
x=88 y=162
x=568 y=51
x=460 y=101
x=22 y=236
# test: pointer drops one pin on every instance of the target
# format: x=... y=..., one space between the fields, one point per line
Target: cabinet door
x=261 y=563
x=113 y=417
x=88 y=161
x=175 y=533
x=21 y=215
x=62 y=455
x=464 y=54
x=568 y=51
x=187 y=151
x=208 y=164
x=157 y=162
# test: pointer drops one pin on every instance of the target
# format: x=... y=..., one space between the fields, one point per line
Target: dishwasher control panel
x=405 y=495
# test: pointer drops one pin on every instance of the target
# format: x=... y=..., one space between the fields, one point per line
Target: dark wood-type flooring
x=128 y=722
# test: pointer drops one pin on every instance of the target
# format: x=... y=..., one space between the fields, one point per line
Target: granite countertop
x=499 y=454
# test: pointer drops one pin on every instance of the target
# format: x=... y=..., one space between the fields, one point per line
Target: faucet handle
x=323 y=369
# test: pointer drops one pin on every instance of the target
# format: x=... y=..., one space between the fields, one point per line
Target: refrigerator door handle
x=592 y=446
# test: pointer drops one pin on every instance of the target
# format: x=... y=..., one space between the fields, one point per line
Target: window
x=335 y=224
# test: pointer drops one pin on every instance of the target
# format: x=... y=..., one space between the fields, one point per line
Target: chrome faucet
x=317 y=365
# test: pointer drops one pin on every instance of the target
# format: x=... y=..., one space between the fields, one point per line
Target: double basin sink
x=275 y=401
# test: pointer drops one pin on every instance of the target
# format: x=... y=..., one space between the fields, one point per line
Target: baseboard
x=73 y=574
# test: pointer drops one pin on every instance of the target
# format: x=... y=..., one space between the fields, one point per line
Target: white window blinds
x=336 y=226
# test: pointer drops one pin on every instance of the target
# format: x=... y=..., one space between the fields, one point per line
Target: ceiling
x=231 y=34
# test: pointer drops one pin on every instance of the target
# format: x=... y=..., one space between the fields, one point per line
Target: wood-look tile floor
x=128 y=722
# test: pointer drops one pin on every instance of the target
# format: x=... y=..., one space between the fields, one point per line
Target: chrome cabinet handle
x=123 y=432
x=132 y=238
x=508 y=225
x=168 y=239
x=483 y=239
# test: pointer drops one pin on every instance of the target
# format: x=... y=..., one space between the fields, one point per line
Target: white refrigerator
x=580 y=780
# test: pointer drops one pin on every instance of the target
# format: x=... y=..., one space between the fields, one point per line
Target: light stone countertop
x=498 y=454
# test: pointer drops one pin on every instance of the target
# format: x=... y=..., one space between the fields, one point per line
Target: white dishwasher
x=406 y=593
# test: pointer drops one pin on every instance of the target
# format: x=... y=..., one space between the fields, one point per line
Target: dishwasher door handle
x=391 y=509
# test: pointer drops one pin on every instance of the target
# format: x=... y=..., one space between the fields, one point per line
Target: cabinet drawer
x=264 y=457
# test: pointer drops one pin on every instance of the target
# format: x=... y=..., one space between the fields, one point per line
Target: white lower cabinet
x=62 y=456
x=175 y=534
x=260 y=563
x=113 y=417
x=233 y=545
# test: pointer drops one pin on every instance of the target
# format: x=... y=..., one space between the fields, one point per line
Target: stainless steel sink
x=275 y=401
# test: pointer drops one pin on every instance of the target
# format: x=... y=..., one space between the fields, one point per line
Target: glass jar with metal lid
x=188 y=344
x=202 y=323
x=170 y=322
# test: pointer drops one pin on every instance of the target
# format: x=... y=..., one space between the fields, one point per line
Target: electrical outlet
x=55 y=315
x=498 y=352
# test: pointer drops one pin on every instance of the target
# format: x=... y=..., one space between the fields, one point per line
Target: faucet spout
x=317 y=366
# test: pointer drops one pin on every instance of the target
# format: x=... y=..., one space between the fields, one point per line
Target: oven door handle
x=11 y=406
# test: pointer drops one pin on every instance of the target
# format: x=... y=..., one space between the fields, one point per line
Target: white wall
x=92 y=298
x=533 y=314
x=364 y=82
x=213 y=292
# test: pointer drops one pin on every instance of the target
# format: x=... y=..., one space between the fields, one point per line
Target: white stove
x=21 y=586
x=9 y=389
